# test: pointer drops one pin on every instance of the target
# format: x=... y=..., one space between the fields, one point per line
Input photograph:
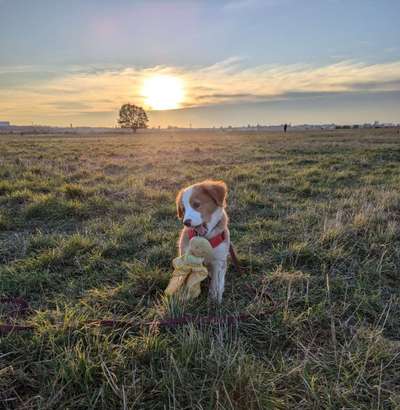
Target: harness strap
x=234 y=258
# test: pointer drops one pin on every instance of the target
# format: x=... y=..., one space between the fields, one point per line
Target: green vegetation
x=88 y=230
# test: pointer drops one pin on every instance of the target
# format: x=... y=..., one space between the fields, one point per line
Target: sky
x=226 y=62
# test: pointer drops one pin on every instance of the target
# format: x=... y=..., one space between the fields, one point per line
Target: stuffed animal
x=189 y=270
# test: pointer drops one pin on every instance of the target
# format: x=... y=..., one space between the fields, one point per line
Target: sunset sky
x=208 y=63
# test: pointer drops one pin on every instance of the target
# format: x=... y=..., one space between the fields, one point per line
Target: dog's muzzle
x=201 y=229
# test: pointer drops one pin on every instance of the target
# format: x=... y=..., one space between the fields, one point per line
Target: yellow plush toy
x=189 y=270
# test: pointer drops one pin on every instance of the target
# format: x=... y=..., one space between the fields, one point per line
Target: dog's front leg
x=183 y=243
x=218 y=271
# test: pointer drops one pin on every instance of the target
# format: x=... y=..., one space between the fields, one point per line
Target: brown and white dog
x=201 y=207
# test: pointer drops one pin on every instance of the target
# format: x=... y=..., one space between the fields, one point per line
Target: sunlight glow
x=163 y=92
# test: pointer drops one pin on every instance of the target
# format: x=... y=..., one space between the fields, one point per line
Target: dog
x=202 y=209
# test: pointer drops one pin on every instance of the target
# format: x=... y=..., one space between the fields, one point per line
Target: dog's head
x=201 y=205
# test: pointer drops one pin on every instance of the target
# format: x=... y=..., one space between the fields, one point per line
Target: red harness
x=214 y=241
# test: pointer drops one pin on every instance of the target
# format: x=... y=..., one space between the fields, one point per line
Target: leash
x=234 y=258
x=8 y=328
x=167 y=323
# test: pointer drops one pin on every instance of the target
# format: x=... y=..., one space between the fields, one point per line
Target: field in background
x=88 y=230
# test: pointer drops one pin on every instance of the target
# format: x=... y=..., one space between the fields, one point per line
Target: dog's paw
x=214 y=297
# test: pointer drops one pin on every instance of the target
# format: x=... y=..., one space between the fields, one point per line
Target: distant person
x=285 y=128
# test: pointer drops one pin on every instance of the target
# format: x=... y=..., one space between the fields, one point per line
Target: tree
x=131 y=116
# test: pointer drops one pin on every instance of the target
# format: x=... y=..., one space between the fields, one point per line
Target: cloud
x=83 y=90
x=230 y=83
x=70 y=105
x=390 y=85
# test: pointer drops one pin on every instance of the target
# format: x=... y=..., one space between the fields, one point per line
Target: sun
x=163 y=92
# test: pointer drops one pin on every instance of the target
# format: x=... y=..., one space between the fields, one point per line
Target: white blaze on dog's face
x=192 y=212
x=202 y=204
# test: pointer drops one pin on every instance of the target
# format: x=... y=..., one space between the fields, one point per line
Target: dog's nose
x=187 y=222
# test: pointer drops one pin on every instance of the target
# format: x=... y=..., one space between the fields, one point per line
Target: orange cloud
x=80 y=91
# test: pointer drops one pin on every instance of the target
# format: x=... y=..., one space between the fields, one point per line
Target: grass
x=88 y=230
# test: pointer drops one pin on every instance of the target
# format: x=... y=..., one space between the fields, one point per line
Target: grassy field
x=88 y=230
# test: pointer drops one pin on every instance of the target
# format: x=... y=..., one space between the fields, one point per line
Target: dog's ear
x=217 y=191
x=179 y=206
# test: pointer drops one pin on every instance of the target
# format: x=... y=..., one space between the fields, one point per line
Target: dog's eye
x=196 y=205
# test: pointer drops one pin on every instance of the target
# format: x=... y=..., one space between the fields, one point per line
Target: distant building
x=4 y=123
